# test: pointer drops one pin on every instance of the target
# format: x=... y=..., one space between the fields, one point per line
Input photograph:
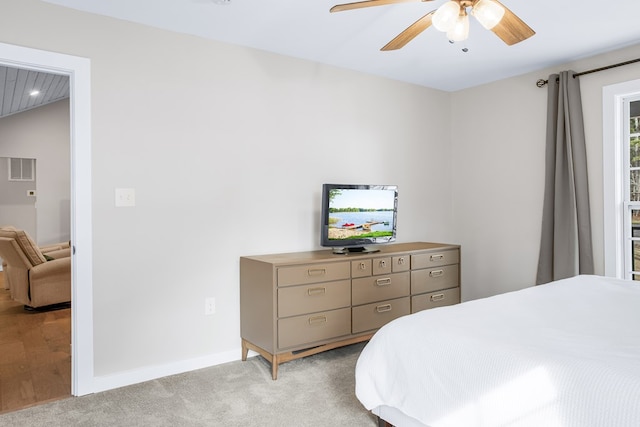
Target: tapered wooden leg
x=274 y=367
x=245 y=351
x=279 y=358
x=273 y=358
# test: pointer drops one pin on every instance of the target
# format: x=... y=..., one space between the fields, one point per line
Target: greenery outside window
x=632 y=193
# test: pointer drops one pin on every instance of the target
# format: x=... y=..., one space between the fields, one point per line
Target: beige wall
x=17 y=207
x=498 y=139
x=43 y=134
x=227 y=148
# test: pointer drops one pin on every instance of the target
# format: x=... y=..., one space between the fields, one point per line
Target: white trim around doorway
x=79 y=72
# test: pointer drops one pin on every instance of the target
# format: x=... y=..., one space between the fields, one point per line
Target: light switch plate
x=125 y=197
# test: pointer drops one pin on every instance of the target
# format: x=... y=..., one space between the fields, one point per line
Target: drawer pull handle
x=317 y=320
x=401 y=261
x=317 y=272
x=436 y=273
x=382 y=264
x=437 y=257
x=362 y=266
x=383 y=308
x=437 y=297
x=316 y=291
x=383 y=282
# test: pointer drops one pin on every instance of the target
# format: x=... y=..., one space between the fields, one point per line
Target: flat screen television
x=356 y=218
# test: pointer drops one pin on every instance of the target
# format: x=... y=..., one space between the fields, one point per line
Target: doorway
x=78 y=70
x=35 y=345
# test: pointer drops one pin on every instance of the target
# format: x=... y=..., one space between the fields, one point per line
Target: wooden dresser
x=297 y=304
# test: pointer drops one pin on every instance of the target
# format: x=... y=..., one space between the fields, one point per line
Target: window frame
x=618 y=237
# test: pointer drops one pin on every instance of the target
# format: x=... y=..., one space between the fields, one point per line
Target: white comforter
x=562 y=354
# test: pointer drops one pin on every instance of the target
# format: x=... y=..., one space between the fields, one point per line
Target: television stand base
x=356 y=249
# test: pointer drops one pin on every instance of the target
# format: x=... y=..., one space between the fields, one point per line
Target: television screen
x=356 y=216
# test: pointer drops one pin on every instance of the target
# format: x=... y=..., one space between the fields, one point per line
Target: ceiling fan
x=452 y=18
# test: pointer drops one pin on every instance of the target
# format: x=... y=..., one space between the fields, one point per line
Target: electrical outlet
x=209 y=306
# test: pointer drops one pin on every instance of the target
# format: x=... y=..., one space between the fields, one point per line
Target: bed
x=562 y=354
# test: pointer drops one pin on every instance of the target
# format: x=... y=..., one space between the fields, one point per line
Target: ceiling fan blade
x=410 y=33
x=512 y=29
x=369 y=3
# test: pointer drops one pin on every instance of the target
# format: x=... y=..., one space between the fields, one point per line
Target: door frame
x=79 y=72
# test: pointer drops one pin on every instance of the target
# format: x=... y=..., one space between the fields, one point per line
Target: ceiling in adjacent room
x=17 y=88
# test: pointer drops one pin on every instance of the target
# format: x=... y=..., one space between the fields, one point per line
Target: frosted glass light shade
x=488 y=13
x=445 y=17
x=460 y=30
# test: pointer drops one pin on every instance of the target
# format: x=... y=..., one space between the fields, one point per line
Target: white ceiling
x=566 y=30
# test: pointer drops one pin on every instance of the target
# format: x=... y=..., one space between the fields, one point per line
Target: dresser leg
x=274 y=367
x=273 y=358
x=245 y=351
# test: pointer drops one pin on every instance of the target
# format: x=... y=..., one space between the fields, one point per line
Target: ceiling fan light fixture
x=488 y=13
x=445 y=17
x=460 y=30
x=452 y=18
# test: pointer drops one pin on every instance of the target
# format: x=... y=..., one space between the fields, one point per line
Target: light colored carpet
x=313 y=391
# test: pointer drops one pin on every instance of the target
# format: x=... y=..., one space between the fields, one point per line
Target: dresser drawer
x=314 y=273
x=361 y=268
x=300 y=330
x=435 y=279
x=378 y=288
x=400 y=263
x=381 y=265
x=373 y=316
x=435 y=299
x=435 y=259
x=295 y=300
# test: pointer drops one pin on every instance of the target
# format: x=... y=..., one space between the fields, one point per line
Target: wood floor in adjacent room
x=35 y=354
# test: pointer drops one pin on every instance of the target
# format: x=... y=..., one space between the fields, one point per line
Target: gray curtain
x=565 y=247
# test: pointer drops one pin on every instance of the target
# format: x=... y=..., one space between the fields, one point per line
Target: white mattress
x=562 y=354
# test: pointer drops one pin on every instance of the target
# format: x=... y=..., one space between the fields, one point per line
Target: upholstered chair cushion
x=28 y=246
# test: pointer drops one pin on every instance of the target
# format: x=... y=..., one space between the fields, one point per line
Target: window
x=22 y=169
x=621 y=179
x=631 y=176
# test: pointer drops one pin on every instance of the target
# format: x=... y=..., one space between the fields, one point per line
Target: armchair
x=34 y=281
x=54 y=250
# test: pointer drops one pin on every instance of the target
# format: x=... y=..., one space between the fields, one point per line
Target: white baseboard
x=122 y=379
